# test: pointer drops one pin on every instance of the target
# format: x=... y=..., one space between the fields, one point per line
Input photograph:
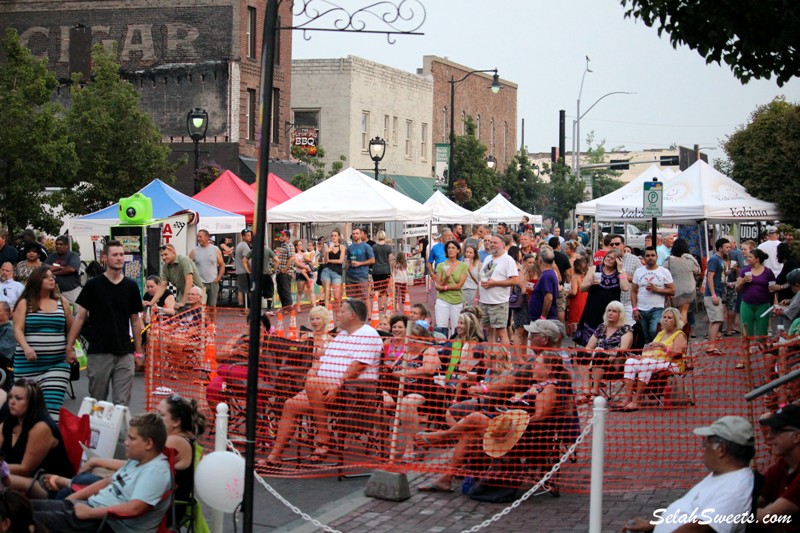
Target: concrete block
x=387 y=486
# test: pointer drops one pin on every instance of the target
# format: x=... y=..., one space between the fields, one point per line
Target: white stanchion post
x=598 y=459
x=220 y=445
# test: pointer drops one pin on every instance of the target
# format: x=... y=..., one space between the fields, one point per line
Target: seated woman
x=30 y=439
x=417 y=365
x=664 y=353
x=165 y=304
x=545 y=397
x=465 y=364
x=610 y=337
x=319 y=319
x=394 y=347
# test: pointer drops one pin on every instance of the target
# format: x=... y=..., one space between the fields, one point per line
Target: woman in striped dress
x=41 y=321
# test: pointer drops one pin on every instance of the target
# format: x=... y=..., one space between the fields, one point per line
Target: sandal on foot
x=319 y=453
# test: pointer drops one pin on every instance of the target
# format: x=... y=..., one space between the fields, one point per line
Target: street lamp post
x=197 y=125
x=377 y=149
x=491 y=162
x=495 y=86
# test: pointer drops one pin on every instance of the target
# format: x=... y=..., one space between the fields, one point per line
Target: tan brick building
x=495 y=114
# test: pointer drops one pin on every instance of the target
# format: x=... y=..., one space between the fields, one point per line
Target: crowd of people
x=483 y=365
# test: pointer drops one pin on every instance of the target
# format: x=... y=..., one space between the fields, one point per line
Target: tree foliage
x=762 y=156
x=521 y=182
x=756 y=38
x=34 y=149
x=119 y=146
x=474 y=183
x=604 y=180
x=317 y=172
x=562 y=193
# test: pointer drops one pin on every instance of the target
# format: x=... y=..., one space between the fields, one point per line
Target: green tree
x=317 y=172
x=762 y=156
x=119 y=146
x=474 y=183
x=34 y=149
x=561 y=193
x=756 y=38
x=604 y=180
x=522 y=183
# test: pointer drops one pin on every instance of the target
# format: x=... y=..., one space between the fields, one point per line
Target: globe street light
x=377 y=149
x=495 y=87
x=491 y=162
x=197 y=125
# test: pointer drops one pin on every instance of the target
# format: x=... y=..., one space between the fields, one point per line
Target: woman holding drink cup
x=754 y=283
x=604 y=285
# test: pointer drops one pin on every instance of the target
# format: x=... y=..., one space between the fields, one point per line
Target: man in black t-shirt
x=565 y=269
x=112 y=303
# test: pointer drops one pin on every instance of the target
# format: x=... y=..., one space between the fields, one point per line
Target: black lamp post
x=197 y=124
x=377 y=149
x=495 y=86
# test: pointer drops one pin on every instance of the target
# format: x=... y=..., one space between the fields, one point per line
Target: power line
x=658 y=125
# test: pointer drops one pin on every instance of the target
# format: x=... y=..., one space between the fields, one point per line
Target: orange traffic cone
x=331 y=324
x=375 y=316
x=390 y=304
x=407 y=304
x=279 y=325
x=293 y=326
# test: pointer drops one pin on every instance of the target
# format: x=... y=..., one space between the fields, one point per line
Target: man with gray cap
x=726 y=493
x=781 y=492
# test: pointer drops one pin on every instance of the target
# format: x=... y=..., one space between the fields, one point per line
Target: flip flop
x=739 y=366
x=320 y=453
x=433 y=488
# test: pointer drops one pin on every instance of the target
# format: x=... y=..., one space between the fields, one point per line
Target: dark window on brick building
x=276 y=116
x=251 y=32
x=250 y=114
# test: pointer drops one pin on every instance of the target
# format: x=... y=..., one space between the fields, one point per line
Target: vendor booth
x=167 y=202
x=499 y=209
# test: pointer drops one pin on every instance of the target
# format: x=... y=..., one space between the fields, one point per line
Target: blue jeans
x=650 y=320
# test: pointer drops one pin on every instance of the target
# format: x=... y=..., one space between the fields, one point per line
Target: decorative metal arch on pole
x=398 y=17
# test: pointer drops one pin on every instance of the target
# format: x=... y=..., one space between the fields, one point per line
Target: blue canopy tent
x=166 y=202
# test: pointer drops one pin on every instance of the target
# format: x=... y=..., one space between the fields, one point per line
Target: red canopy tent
x=278 y=190
x=231 y=193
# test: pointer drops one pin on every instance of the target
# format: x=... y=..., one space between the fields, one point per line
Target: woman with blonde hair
x=664 y=353
x=382 y=269
x=604 y=347
x=319 y=317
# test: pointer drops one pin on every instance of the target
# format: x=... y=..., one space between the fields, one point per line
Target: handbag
x=74 y=371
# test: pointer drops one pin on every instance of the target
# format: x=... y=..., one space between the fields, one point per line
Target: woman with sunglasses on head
x=41 y=319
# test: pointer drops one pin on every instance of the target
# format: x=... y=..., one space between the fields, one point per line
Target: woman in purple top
x=754 y=281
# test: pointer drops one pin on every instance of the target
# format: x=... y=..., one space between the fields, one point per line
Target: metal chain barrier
x=284 y=501
x=516 y=503
x=556 y=467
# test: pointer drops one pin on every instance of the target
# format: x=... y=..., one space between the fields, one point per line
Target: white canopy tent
x=498 y=209
x=446 y=211
x=631 y=189
x=698 y=193
x=349 y=196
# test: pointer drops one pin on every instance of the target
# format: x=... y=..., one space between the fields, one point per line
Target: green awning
x=419 y=189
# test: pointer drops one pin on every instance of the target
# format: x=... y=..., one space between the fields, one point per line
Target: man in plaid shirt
x=284 y=270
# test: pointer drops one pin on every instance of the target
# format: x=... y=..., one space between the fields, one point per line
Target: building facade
x=345 y=102
x=495 y=115
x=180 y=54
x=629 y=164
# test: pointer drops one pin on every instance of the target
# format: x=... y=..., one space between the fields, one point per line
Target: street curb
x=338 y=509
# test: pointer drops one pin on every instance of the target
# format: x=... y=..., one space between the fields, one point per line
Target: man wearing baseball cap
x=781 y=492
x=728 y=447
x=791 y=308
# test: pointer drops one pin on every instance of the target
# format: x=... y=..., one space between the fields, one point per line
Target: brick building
x=495 y=115
x=180 y=54
x=348 y=101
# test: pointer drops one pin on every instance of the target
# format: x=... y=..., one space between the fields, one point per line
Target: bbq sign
x=306 y=140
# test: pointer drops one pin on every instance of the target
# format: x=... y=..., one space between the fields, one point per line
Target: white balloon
x=219 y=481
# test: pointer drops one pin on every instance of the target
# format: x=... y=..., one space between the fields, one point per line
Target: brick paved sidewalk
x=446 y=513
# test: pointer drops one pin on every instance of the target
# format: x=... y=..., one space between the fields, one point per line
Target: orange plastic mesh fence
x=439 y=419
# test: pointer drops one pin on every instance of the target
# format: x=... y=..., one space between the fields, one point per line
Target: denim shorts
x=329 y=275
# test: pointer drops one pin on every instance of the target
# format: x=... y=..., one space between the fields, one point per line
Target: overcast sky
x=541 y=46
